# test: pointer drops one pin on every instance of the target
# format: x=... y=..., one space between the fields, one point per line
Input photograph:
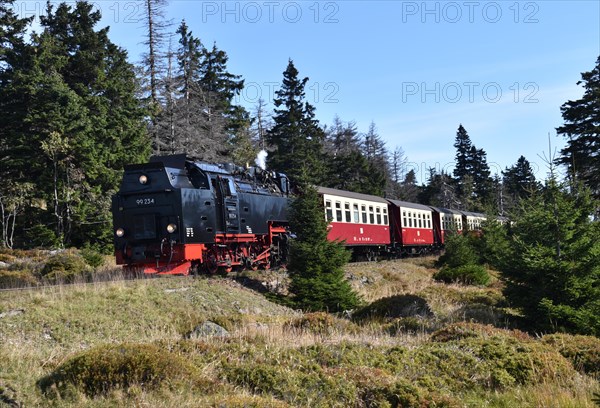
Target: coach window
x=347 y=212
x=385 y=217
x=338 y=211
x=419 y=217
x=329 y=211
x=405 y=224
x=371 y=215
x=356 y=213
x=410 y=219
x=429 y=221
x=378 y=213
x=363 y=211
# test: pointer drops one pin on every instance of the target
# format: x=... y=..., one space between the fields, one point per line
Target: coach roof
x=350 y=194
x=406 y=204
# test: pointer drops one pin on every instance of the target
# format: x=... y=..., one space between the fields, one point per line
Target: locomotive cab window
x=347 y=212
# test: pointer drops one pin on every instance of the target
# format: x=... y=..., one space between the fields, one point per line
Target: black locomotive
x=173 y=216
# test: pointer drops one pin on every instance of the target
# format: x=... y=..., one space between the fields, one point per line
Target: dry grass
x=268 y=342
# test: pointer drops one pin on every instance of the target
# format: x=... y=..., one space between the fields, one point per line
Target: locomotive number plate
x=145 y=201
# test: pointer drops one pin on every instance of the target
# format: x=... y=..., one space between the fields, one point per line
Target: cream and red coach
x=413 y=230
x=360 y=220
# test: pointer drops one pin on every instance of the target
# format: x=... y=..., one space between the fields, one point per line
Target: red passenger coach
x=361 y=220
x=445 y=222
x=413 y=226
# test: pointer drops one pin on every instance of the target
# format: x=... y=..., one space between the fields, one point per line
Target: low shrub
x=411 y=325
x=104 y=368
x=294 y=386
x=504 y=358
x=321 y=323
x=465 y=330
x=394 y=307
x=466 y=274
x=582 y=351
x=460 y=250
x=66 y=267
x=377 y=388
x=17 y=279
x=92 y=258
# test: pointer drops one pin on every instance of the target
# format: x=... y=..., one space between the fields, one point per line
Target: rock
x=207 y=329
x=176 y=290
x=3 y=264
x=14 y=312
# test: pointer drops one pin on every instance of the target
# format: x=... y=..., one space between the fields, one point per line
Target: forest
x=75 y=109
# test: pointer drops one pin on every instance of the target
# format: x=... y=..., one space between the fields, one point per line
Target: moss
x=582 y=351
x=104 y=368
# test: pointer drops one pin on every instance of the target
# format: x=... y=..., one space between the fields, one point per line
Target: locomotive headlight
x=171 y=228
x=120 y=232
x=143 y=179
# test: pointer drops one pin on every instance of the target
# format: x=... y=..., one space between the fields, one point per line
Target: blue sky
x=417 y=69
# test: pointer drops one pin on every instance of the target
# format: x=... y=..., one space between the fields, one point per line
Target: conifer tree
x=552 y=270
x=77 y=122
x=518 y=182
x=582 y=128
x=316 y=264
x=296 y=139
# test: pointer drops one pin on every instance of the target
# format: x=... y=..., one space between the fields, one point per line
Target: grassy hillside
x=414 y=343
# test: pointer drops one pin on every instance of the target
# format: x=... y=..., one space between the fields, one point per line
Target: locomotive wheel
x=211 y=264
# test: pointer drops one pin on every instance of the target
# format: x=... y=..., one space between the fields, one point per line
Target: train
x=174 y=215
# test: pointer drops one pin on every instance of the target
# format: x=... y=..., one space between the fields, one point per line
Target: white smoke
x=261 y=159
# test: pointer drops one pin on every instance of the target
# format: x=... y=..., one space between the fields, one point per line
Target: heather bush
x=66 y=267
x=582 y=351
x=104 y=368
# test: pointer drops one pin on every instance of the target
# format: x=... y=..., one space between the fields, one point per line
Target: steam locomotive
x=178 y=216
x=173 y=216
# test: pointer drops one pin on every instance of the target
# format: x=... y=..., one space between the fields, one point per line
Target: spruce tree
x=295 y=140
x=77 y=122
x=518 y=181
x=552 y=270
x=582 y=129
x=316 y=264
